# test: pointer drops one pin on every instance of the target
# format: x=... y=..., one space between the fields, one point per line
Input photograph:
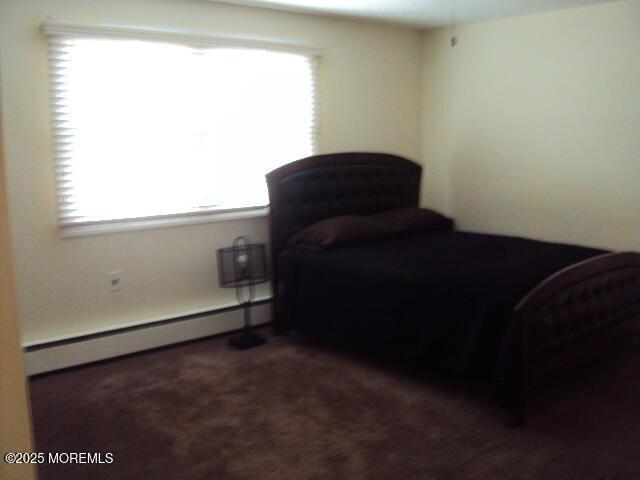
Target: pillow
x=411 y=220
x=341 y=230
x=350 y=229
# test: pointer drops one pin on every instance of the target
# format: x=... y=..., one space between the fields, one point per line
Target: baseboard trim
x=82 y=349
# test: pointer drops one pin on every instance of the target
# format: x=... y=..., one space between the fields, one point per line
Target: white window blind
x=151 y=127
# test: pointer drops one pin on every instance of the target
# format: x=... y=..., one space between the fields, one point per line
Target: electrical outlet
x=114 y=281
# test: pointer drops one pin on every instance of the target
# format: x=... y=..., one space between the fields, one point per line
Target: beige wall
x=529 y=126
x=532 y=125
x=370 y=89
x=15 y=430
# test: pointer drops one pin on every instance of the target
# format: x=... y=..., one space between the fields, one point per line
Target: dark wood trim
x=573 y=274
x=531 y=371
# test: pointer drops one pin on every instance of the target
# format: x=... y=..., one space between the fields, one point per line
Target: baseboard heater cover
x=71 y=352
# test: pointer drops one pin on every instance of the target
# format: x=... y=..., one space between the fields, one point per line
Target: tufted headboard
x=315 y=188
x=304 y=192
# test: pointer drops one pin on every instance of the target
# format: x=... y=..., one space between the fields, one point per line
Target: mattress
x=446 y=296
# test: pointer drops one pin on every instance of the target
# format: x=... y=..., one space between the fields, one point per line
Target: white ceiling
x=419 y=13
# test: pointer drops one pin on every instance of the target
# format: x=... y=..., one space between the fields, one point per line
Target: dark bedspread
x=446 y=295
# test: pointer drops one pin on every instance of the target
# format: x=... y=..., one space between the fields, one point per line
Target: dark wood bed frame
x=568 y=320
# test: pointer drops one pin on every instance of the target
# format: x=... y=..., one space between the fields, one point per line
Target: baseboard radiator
x=70 y=352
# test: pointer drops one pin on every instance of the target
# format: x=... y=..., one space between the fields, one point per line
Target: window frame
x=193 y=38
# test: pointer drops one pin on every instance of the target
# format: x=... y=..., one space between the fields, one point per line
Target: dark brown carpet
x=292 y=410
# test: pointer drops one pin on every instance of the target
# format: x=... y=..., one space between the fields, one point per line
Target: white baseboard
x=81 y=350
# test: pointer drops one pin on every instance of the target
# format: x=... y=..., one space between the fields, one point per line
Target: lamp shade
x=242 y=264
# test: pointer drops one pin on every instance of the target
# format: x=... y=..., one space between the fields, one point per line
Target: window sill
x=152 y=223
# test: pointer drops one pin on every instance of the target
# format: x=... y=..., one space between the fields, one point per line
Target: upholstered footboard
x=570 y=319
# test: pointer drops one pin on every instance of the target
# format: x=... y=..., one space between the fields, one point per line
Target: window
x=152 y=127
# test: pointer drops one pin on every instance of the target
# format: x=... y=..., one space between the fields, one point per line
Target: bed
x=516 y=310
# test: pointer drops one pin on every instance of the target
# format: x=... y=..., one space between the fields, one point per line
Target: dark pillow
x=413 y=220
x=350 y=229
x=341 y=230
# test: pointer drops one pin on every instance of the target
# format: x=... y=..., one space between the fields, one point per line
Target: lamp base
x=246 y=339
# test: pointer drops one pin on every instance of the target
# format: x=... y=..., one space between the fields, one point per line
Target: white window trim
x=186 y=37
x=148 y=223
